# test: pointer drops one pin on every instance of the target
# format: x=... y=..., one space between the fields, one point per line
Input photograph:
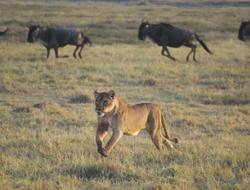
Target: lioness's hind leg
x=154 y=130
x=157 y=140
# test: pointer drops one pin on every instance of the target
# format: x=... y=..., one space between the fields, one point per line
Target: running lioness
x=125 y=119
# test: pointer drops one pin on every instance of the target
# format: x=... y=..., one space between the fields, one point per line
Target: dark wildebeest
x=244 y=31
x=4 y=32
x=167 y=35
x=54 y=38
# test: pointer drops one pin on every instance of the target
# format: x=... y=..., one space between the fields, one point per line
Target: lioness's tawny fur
x=125 y=119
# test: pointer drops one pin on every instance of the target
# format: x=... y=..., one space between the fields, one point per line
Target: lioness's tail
x=163 y=121
x=203 y=44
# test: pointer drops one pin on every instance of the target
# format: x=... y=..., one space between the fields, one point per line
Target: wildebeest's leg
x=56 y=52
x=162 y=51
x=48 y=51
x=193 y=50
x=194 y=54
x=80 y=52
x=187 y=58
x=74 y=54
x=165 y=49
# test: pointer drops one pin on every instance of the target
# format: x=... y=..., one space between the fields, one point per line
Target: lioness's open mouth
x=99 y=113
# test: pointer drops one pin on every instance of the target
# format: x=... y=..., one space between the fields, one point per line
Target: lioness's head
x=104 y=102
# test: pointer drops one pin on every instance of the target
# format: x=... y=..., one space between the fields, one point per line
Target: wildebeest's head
x=244 y=31
x=87 y=40
x=32 y=29
x=142 y=29
x=4 y=31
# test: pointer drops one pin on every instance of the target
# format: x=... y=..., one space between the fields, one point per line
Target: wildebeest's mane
x=166 y=25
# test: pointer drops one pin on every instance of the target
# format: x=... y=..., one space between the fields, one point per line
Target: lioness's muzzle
x=98 y=111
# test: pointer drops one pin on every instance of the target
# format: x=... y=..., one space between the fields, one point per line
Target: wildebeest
x=244 y=31
x=4 y=32
x=56 y=37
x=166 y=35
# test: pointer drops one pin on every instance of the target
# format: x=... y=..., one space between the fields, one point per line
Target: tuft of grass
x=151 y=82
x=81 y=99
x=41 y=105
x=22 y=109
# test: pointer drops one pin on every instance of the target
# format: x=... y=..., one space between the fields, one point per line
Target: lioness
x=125 y=119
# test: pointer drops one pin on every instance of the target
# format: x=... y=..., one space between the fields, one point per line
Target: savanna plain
x=47 y=118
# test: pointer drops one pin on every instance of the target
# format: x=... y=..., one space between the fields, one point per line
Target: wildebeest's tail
x=163 y=121
x=202 y=43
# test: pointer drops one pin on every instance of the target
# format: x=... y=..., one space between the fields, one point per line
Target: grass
x=47 y=119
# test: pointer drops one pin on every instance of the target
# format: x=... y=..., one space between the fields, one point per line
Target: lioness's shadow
x=100 y=171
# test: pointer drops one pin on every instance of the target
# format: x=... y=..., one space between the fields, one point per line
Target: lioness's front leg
x=101 y=132
x=112 y=142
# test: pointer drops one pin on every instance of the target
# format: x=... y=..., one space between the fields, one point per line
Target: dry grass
x=47 y=119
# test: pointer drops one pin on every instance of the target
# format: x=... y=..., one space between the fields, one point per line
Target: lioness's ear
x=95 y=93
x=111 y=93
